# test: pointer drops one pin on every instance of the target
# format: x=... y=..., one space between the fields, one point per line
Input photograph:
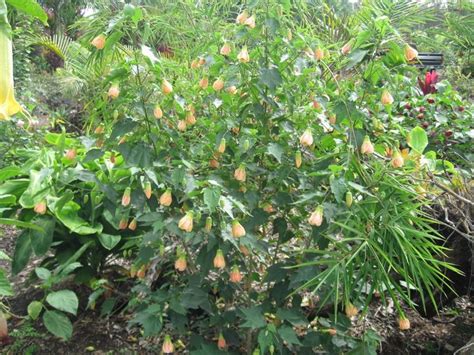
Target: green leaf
x=7 y=200
x=30 y=7
x=150 y=319
x=293 y=316
x=288 y=334
x=34 y=309
x=276 y=150
x=338 y=188
x=17 y=223
x=123 y=127
x=22 y=252
x=68 y=214
x=64 y=300
x=271 y=78
x=93 y=154
x=4 y=256
x=41 y=240
x=37 y=189
x=109 y=241
x=58 y=324
x=356 y=57
x=253 y=318
x=212 y=196
x=139 y=154
x=418 y=139
x=42 y=273
x=265 y=338
x=8 y=172
x=5 y=286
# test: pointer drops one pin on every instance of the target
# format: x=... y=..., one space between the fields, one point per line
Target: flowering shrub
x=243 y=192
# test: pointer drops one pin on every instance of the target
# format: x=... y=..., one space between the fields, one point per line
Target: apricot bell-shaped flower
x=186 y=222
x=410 y=53
x=367 y=146
x=238 y=230
x=306 y=138
x=316 y=218
x=8 y=105
x=397 y=160
x=243 y=56
x=387 y=98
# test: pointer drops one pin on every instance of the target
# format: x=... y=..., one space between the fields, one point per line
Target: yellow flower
x=8 y=105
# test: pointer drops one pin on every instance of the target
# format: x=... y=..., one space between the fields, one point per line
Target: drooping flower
x=250 y=21
x=221 y=148
x=181 y=264
x=225 y=49
x=147 y=190
x=71 y=154
x=367 y=146
x=410 y=53
x=195 y=64
x=397 y=160
x=182 y=125
x=403 y=323
x=319 y=54
x=351 y=310
x=168 y=347
x=306 y=138
x=99 y=41
x=219 y=260
x=316 y=218
x=40 y=207
x=190 y=118
x=387 y=98
x=238 y=230
x=218 y=84
x=204 y=83
x=123 y=224
x=221 y=343
x=346 y=48
x=214 y=163
x=157 y=112
x=186 y=222
x=166 y=87
x=114 y=91
x=232 y=90
x=243 y=55
x=298 y=159
x=240 y=174
x=166 y=198
x=235 y=275
x=133 y=224
x=242 y=17
x=126 y=197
